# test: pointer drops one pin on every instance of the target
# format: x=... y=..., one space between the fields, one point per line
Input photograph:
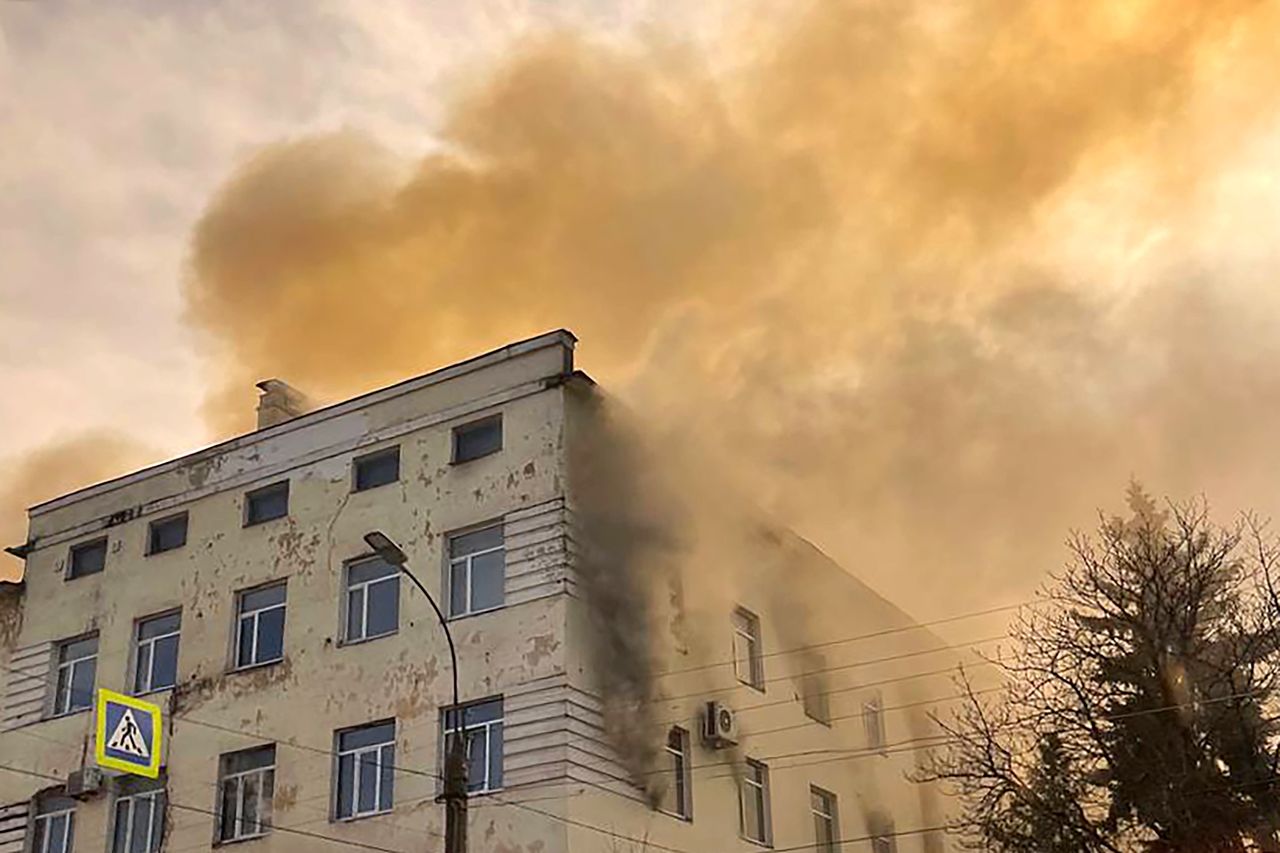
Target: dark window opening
x=267 y=503
x=473 y=440
x=167 y=534
x=377 y=469
x=88 y=558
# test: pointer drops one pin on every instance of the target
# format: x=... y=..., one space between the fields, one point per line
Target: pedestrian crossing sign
x=128 y=736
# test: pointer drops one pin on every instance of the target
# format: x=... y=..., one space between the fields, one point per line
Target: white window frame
x=40 y=828
x=679 y=774
x=760 y=790
x=156 y=797
x=264 y=802
x=62 y=708
x=873 y=723
x=382 y=755
x=746 y=627
x=470 y=732
x=469 y=560
x=831 y=816
x=363 y=587
x=253 y=616
x=140 y=687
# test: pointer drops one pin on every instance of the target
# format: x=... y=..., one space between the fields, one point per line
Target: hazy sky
x=118 y=120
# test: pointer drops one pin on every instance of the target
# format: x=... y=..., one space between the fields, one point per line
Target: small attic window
x=87 y=558
x=477 y=439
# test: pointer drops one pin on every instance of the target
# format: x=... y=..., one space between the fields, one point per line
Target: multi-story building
x=307 y=689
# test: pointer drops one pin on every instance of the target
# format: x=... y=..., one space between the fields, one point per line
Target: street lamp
x=454 y=796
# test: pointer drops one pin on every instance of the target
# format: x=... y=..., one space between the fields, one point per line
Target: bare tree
x=1140 y=698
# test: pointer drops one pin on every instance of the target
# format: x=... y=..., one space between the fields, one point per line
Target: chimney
x=279 y=402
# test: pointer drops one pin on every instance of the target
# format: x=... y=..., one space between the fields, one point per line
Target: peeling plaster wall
x=321 y=685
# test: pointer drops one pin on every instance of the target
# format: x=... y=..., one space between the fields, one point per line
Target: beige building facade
x=306 y=687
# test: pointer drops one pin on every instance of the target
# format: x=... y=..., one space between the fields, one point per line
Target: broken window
x=753 y=803
x=266 y=503
x=260 y=626
x=476 y=439
x=373 y=599
x=817 y=705
x=167 y=534
x=365 y=771
x=77 y=669
x=873 y=722
x=677 y=797
x=748 y=664
x=138 y=818
x=55 y=825
x=376 y=469
x=246 y=781
x=826 y=832
x=477 y=565
x=482 y=729
x=156 y=653
x=87 y=558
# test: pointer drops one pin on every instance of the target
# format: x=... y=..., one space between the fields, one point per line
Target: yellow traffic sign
x=128 y=734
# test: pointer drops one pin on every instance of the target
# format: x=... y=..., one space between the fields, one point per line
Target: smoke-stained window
x=873 y=722
x=55 y=825
x=753 y=803
x=748 y=662
x=826 y=829
x=816 y=701
x=677 y=796
x=477 y=569
x=77 y=670
x=246 y=784
x=137 y=822
x=883 y=837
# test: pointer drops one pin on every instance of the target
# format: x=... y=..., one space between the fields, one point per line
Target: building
x=307 y=689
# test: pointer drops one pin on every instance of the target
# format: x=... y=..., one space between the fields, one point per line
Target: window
x=482 y=728
x=138 y=819
x=373 y=599
x=87 y=558
x=366 y=767
x=246 y=781
x=883 y=838
x=747 y=663
x=266 y=503
x=260 y=626
x=817 y=705
x=826 y=831
x=376 y=469
x=476 y=568
x=156 y=654
x=473 y=440
x=77 y=668
x=167 y=534
x=55 y=825
x=677 y=798
x=753 y=803
x=873 y=722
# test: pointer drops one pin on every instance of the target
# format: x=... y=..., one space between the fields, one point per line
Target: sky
x=933 y=281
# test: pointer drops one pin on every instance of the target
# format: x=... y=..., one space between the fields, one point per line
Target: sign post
x=128 y=734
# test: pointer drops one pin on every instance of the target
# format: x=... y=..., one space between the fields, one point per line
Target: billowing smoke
x=934 y=280
x=57 y=468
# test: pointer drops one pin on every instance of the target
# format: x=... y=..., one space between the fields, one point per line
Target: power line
x=902 y=629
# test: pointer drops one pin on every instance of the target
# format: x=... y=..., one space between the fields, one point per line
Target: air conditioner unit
x=84 y=783
x=720 y=726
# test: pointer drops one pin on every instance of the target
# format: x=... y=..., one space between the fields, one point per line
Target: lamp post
x=454 y=795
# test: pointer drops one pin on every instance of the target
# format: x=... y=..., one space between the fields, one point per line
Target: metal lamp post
x=454 y=795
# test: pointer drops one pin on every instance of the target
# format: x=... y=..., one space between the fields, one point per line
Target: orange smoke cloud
x=54 y=469
x=855 y=260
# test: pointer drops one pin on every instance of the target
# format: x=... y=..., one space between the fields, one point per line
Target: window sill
x=373 y=488
x=259 y=523
x=759 y=688
x=342 y=644
x=165 y=551
x=676 y=815
x=68 y=578
x=252 y=666
x=70 y=713
x=767 y=845
x=460 y=616
x=453 y=463
x=226 y=842
x=357 y=817
x=154 y=690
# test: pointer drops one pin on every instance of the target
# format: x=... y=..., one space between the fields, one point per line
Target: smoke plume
x=56 y=468
x=933 y=280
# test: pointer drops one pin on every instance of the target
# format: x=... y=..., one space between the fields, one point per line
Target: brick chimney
x=279 y=402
